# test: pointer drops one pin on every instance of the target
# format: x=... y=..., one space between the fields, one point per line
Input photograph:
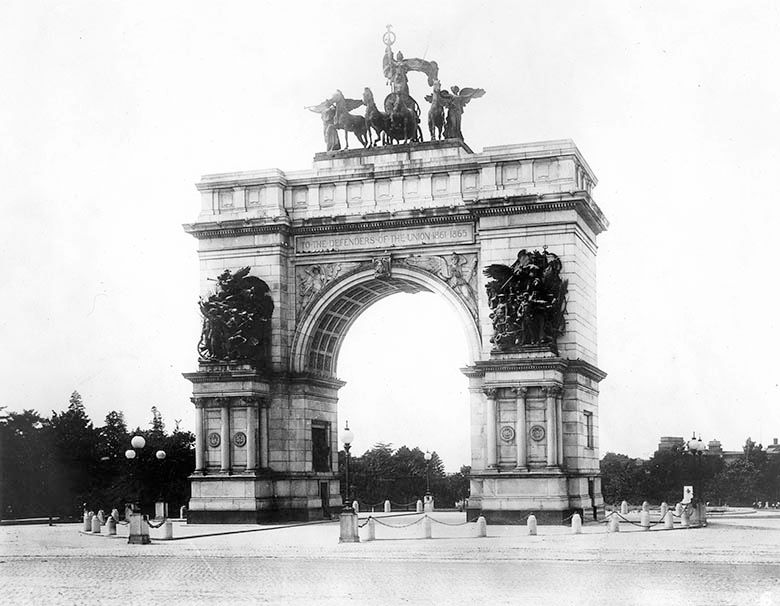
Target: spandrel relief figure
x=528 y=300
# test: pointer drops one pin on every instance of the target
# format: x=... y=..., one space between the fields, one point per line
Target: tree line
x=402 y=476
x=753 y=477
x=57 y=465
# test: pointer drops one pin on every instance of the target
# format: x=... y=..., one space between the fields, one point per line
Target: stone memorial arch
x=289 y=260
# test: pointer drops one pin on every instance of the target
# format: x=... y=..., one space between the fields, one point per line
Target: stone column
x=559 y=425
x=552 y=434
x=225 y=434
x=200 y=438
x=251 y=434
x=264 y=434
x=520 y=430
x=490 y=428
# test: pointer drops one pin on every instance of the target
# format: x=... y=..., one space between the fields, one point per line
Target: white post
x=387 y=506
x=111 y=526
x=371 y=530
x=419 y=507
x=624 y=508
x=685 y=520
x=664 y=509
x=356 y=506
x=481 y=526
x=576 y=524
x=644 y=520
x=678 y=509
x=87 y=522
x=348 y=528
x=645 y=506
x=532 y=525
x=167 y=530
x=614 y=523
x=427 y=534
x=669 y=520
x=95 y=524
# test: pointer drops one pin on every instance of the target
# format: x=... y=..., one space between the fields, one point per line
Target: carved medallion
x=381 y=267
x=507 y=433
x=239 y=439
x=214 y=439
x=537 y=433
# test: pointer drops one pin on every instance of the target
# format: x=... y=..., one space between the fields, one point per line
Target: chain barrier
x=151 y=525
x=379 y=521
x=451 y=523
x=409 y=504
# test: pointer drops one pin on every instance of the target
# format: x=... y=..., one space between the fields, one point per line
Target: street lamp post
x=428 y=456
x=139 y=525
x=347 y=436
x=348 y=522
x=695 y=446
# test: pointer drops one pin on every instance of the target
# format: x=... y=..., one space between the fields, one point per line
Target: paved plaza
x=736 y=560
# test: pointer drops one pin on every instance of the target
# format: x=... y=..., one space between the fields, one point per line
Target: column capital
x=520 y=392
x=551 y=390
x=490 y=392
x=222 y=401
x=252 y=400
x=199 y=402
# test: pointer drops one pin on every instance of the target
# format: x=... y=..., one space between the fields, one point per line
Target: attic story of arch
x=398 y=121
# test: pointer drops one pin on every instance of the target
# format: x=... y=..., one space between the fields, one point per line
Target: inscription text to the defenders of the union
x=414 y=236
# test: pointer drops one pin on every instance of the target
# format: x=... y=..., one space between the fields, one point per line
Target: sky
x=111 y=111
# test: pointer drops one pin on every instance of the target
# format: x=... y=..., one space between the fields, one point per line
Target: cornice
x=471 y=211
x=481 y=367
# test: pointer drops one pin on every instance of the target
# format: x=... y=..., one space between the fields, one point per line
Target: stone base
x=252 y=499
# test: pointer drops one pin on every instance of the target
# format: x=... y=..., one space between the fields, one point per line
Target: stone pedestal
x=138 y=530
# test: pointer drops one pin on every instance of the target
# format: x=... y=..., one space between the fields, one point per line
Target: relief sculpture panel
x=456 y=269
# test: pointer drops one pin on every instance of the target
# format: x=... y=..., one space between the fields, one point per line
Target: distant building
x=714 y=448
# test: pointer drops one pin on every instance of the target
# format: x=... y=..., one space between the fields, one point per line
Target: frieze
x=386 y=239
x=458 y=270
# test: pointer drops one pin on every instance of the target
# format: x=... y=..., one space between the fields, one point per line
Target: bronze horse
x=377 y=120
x=404 y=123
x=349 y=122
x=436 y=112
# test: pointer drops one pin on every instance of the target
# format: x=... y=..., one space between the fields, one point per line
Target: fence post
x=348 y=527
x=576 y=524
x=481 y=526
x=624 y=507
x=387 y=506
x=664 y=509
x=685 y=519
x=532 y=525
x=371 y=530
x=427 y=534
x=96 y=524
x=614 y=523
x=356 y=506
x=111 y=526
x=678 y=509
x=168 y=529
x=419 y=506
x=644 y=519
x=669 y=520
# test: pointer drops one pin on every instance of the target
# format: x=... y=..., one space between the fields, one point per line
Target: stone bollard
x=645 y=506
x=115 y=514
x=348 y=527
x=356 y=506
x=428 y=503
x=695 y=520
x=624 y=508
x=614 y=523
x=101 y=516
x=703 y=514
x=182 y=512
x=644 y=520
x=669 y=520
x=388 y=509
x=685 y=519
x=87 y=522
x=576 y=524
x=427 y=531
x=371 y=530
x=95 y=524
x=111 y=526
x=532 y=525
x=419 y=506
x=481 y=526
x=664 y=509
x=678 y=509
x=167 y=530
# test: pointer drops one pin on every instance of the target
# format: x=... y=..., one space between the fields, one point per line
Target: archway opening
x=401 y=361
